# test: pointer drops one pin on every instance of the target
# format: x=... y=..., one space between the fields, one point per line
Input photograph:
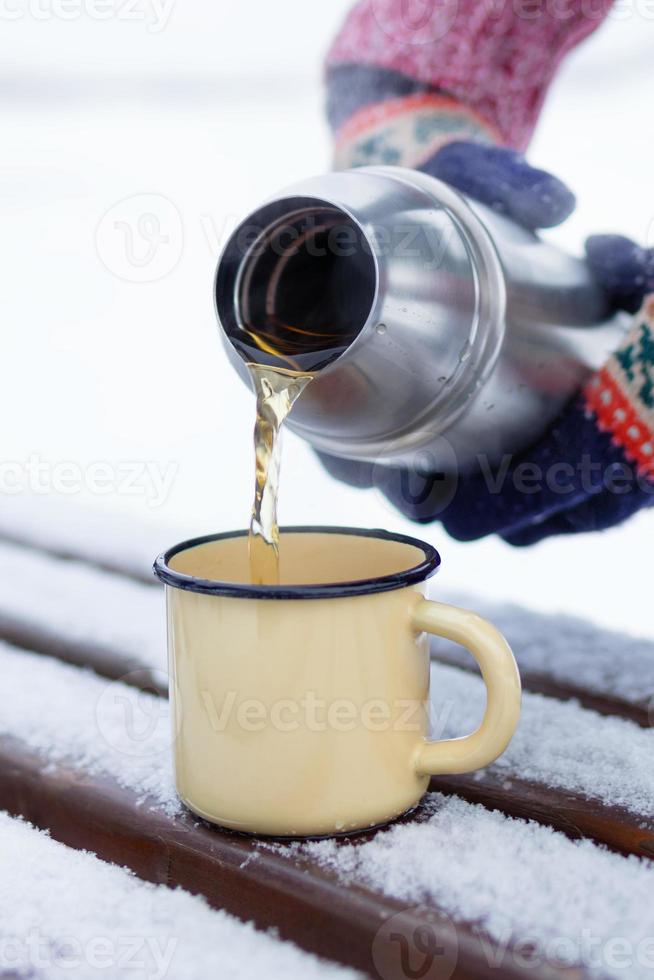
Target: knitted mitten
x=415 y=85
x=609 y=433
x=406 y=76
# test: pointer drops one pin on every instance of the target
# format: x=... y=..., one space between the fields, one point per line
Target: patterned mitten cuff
x=621 y=395
x=592 y=469
x=610 y=430
x=405 y=77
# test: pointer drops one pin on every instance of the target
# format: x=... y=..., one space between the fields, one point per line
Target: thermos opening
x=304 y=288
x=459 y=332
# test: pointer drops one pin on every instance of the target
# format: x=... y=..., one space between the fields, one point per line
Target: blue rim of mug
x=329 y=590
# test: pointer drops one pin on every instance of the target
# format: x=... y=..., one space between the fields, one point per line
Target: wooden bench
x=458 y=882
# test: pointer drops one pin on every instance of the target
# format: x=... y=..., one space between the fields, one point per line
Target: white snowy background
x=213 y=106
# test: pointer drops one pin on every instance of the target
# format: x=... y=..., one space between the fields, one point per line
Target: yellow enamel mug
x=301 y=709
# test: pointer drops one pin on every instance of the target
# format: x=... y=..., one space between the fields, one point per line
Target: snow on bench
x=66 y=913
x=81 y=614
x=525 y=885
x=77 y=605
x=100 y=536
x=609 y=671
x=96 y=725
x=77 y=758
x=557 y=744
x=475 y=865
x=87 y=616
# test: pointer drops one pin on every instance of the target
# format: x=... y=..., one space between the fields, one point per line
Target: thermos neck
x=383 y=280
x=436 y=326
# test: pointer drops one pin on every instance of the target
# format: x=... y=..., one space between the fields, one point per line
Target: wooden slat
x=144 y=575
x=573 y=814
x=271 y=887
x=567 y=658
x=551 y=681
x=100 y=537
x=82 y=615
x=109 y=662
x=101 y=658
x=604 y=703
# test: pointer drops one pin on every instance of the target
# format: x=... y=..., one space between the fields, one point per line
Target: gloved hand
x=611 y=425
x=415 y=94
x=502 y=179
x=595 y=465
x=625 y=269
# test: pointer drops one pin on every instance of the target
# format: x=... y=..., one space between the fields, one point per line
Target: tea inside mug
x=306 y=558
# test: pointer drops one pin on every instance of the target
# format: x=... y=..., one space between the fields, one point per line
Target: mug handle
x=500 y=673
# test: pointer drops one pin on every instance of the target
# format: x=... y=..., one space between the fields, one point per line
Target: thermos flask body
x=471 y=332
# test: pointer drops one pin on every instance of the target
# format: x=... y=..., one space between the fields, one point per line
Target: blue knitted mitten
x=594 y=467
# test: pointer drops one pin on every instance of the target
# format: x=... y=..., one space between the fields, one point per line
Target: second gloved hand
x=592 y=468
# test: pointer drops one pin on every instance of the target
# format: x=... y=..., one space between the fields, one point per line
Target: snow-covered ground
x=569 y=900
x=106 y=612
x=557 y=744
x=68 y=914
x=209 y=110
x=524 y=883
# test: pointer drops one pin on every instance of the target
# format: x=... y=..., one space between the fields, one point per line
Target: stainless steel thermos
x=466 y=334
